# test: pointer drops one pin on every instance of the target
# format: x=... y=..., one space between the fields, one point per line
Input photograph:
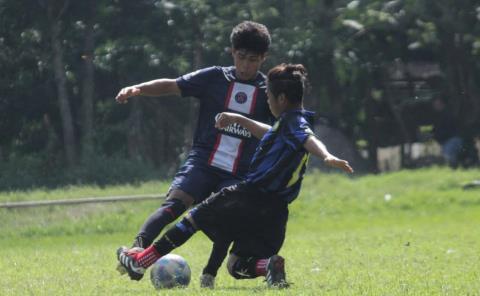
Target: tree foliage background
x=62 y=63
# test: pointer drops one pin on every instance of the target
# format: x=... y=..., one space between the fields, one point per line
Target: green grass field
x=405 y=233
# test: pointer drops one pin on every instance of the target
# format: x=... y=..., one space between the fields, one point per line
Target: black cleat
x=276 y=272
x=128 y=264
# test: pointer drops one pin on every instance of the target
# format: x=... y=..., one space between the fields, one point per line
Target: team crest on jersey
x=241 y=97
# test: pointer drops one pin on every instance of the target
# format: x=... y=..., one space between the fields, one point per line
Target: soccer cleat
x=207 y=281
x=276 y=272
x=128 y=263
x=122 y=270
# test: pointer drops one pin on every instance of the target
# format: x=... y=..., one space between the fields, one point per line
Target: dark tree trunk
x=61 y=83
x=88 y=87
x=334 y=91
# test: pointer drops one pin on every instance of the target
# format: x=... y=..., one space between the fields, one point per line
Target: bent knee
x=181 y=195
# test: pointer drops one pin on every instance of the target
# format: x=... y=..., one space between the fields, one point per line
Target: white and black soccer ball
x=170 y=271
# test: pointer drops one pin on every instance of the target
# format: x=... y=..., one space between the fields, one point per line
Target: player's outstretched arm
x=317 y=148
x=258 y=129
x=154 y=88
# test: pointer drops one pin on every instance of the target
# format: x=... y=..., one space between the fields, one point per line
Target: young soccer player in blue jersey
x=253 y=214
x=218 y=158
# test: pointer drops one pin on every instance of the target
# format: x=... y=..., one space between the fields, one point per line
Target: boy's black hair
x=289 y=79
x=251 y=36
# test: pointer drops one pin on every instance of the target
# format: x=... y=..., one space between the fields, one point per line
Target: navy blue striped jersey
x=218 y=90
x=280 y=160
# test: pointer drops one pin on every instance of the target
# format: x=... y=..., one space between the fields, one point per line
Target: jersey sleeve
x=296 y=134
x=195 y=83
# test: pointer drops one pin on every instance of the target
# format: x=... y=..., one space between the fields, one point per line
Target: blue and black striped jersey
x=280 y=160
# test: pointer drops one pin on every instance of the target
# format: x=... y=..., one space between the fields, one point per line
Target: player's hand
x=224 y=119
x=338 y=163
x=127 y=92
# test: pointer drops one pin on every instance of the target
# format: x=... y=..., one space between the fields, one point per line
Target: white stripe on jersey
x=226 y=153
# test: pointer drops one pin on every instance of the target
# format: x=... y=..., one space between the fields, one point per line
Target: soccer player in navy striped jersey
x=219 y=157
x=254 y=213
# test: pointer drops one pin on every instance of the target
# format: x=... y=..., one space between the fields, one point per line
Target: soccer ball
x=170 y=271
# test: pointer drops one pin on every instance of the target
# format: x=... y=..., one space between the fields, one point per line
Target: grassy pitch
x=404 y=233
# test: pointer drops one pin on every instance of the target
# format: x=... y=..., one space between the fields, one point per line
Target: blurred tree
x=63 y=62
x=88 y=83
x=55 y=11
x=450 y=30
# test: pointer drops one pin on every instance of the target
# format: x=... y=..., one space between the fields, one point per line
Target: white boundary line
x=58 y=202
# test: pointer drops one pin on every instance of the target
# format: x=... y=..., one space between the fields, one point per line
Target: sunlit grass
x=405 y=233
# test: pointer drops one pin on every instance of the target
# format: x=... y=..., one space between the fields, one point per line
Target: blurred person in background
x=446 y=132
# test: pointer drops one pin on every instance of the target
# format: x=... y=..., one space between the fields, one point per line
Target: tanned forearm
x=317 y=148
x=258 y=129
x=154 y=88
x=158 y=87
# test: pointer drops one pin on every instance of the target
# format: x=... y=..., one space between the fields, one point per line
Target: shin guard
x=170 y=210
x=175 y=237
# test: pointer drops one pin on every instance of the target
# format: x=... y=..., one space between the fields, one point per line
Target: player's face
x=247 y=63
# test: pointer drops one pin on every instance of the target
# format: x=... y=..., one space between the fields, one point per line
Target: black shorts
x=200 y=180
x=254 y=221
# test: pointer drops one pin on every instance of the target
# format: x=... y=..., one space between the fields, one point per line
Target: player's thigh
x=216 y=215
x=193 y=182
x=227 y=181
x=265 y=237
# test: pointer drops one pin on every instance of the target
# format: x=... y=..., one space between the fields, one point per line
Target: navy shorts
x=254 y=221
x=201 y=180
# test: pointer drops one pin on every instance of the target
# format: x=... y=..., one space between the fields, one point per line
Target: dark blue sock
x=169 y=211
x=175 y=237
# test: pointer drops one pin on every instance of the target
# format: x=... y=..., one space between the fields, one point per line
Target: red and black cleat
x=129 y=264
x=276 y=272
